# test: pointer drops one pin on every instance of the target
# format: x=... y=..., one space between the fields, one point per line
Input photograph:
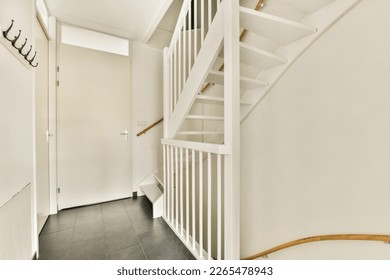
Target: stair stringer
x=322 y=20
x=207 y=55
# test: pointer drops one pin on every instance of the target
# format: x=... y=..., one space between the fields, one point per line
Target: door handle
x=126 y=134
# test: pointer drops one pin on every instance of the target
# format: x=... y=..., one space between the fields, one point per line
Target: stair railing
x=350 y=237
x=193 y=176
x=201 y=180
x=194 y=22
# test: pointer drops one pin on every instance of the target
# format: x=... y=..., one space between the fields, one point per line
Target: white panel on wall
x=94 y=40
x=16 y=104
x=15 y=227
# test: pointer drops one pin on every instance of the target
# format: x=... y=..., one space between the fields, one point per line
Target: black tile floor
x=118 y=230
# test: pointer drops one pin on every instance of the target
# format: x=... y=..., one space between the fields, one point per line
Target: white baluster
x=193 y=200
x=181 y=191
x=187 y=199
x=219 y=208
x=200 y=203
x=209 y=174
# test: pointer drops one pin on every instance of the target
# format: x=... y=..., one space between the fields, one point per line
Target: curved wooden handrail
x=150 y=127
x=259 y=4
x=356 y=237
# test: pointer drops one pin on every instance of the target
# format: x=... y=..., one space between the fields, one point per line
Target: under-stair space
x=154 y=193
x=223 y=60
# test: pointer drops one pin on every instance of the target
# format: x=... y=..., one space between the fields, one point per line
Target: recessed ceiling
x=133 y=19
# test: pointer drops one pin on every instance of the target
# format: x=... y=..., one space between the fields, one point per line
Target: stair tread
x=202 y=117
x=217 y=77
x=152 y=191
x=259 y=58
x=216 y=100
x=308 y=6
x=159 y=177
x=280 y=30
x=200 y=132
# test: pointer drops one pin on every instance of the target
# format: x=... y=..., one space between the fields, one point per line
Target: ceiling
x=133 y=19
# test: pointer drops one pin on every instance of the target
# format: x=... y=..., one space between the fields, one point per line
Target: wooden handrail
x=356 y=237
x=259 y=4
x=150 y=127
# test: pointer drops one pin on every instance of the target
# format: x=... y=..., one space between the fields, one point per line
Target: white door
x=94 y=150
x=42 y=125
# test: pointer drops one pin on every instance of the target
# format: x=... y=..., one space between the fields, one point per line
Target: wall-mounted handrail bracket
x=150 y=127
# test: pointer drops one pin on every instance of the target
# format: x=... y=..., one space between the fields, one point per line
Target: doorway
x=94 y=148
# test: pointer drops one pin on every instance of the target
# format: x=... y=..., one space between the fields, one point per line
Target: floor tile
x=89 y=210
x=88 y=249
x=132 y=253
x=61 y=241
x=123 y=229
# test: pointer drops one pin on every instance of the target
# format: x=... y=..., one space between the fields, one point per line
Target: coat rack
x=21 y=47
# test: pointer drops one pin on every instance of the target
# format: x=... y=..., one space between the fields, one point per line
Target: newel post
x=166 y=89
x=232 y=129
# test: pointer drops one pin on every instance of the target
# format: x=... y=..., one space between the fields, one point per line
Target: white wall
x=16 y=138
x=147 y=93
x=315 y=152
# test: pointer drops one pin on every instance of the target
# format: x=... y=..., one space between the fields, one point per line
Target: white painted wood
x=165 y=186
x=308 y=6
x=207 y=99
x=209 y=217
x=206 y=56
x=195 y=28
x=200 y=209
x=201 y=132
x=176 y=205
x=155 y=195
x=323 y=19
x=53 y=113
x=180 y=66
x=187 y=197
x=232 y=130
x=193 y=199
x=159 y=176
x=217 y=77
x=181 y=171
x=205 y=147
x=166 y=91
x=152 y=192
x=42 y=133
x=190 y=52
x=219 y=207
x=278 y=29
x=172 y=185
x=202 y=11
x=204 y=118
x=93 y=157
x=259 y=58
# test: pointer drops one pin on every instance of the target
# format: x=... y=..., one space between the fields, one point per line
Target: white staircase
x=201 y=123
x=153 y=189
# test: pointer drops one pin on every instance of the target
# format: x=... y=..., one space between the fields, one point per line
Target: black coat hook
x=22 y=46
x=5 y=33
x=20 y=49
x=16 y=38
x=32 y=59
x=26 y=55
